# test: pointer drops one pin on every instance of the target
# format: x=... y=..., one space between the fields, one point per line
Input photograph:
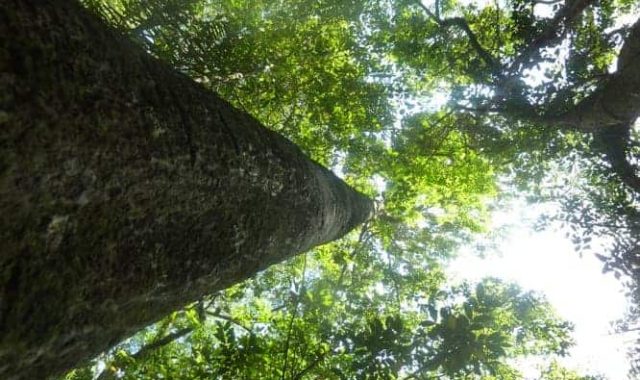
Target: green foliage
x=319 y=332
x=556 y=372
x=476 y=329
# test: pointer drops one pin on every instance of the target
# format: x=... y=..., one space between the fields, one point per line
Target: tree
x=496 y=62
x=546 y=89
x=533 y=82
x=128 y=190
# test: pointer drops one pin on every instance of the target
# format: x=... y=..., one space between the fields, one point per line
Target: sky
x=576 y=287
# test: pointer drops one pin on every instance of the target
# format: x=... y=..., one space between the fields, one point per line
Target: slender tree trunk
x=127 y=190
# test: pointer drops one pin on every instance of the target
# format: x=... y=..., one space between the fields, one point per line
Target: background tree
x=534 y=87
x=543 y=90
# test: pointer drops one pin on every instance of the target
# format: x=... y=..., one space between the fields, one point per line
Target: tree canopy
x=438 y=110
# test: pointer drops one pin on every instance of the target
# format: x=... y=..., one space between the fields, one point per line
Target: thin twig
x=552 y=32
x=311 y=366
x=462 y=23
x=294 y=313
x=229 y=319
x=359 y=244
x=107 y=373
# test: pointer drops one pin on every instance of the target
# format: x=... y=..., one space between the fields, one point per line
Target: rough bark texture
x=617 y=101
x=611 y=110
x=127 y=190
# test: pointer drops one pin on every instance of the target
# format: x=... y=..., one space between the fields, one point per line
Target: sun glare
x=547 y=262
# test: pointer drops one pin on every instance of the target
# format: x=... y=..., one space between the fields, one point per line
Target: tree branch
x=617 y=100
x=229 y=319
x=489 y=60
x=362 y=238
x=107 y=373
x=612 y=141
x=294 y=313
x=547 y=2
x=551 y=33
x=462 y=23
x=311 y=366
x=144 y=351
x=434 y=17
x=414 y=374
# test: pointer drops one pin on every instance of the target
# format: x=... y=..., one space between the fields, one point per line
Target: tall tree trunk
x=127 y=190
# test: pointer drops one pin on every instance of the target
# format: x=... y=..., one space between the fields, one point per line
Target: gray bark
x=611 y=110
x=617 y=101
x=127 y=190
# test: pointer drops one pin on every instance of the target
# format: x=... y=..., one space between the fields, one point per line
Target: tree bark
x=611 y=110
x=617 y=101
x=127 y=190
